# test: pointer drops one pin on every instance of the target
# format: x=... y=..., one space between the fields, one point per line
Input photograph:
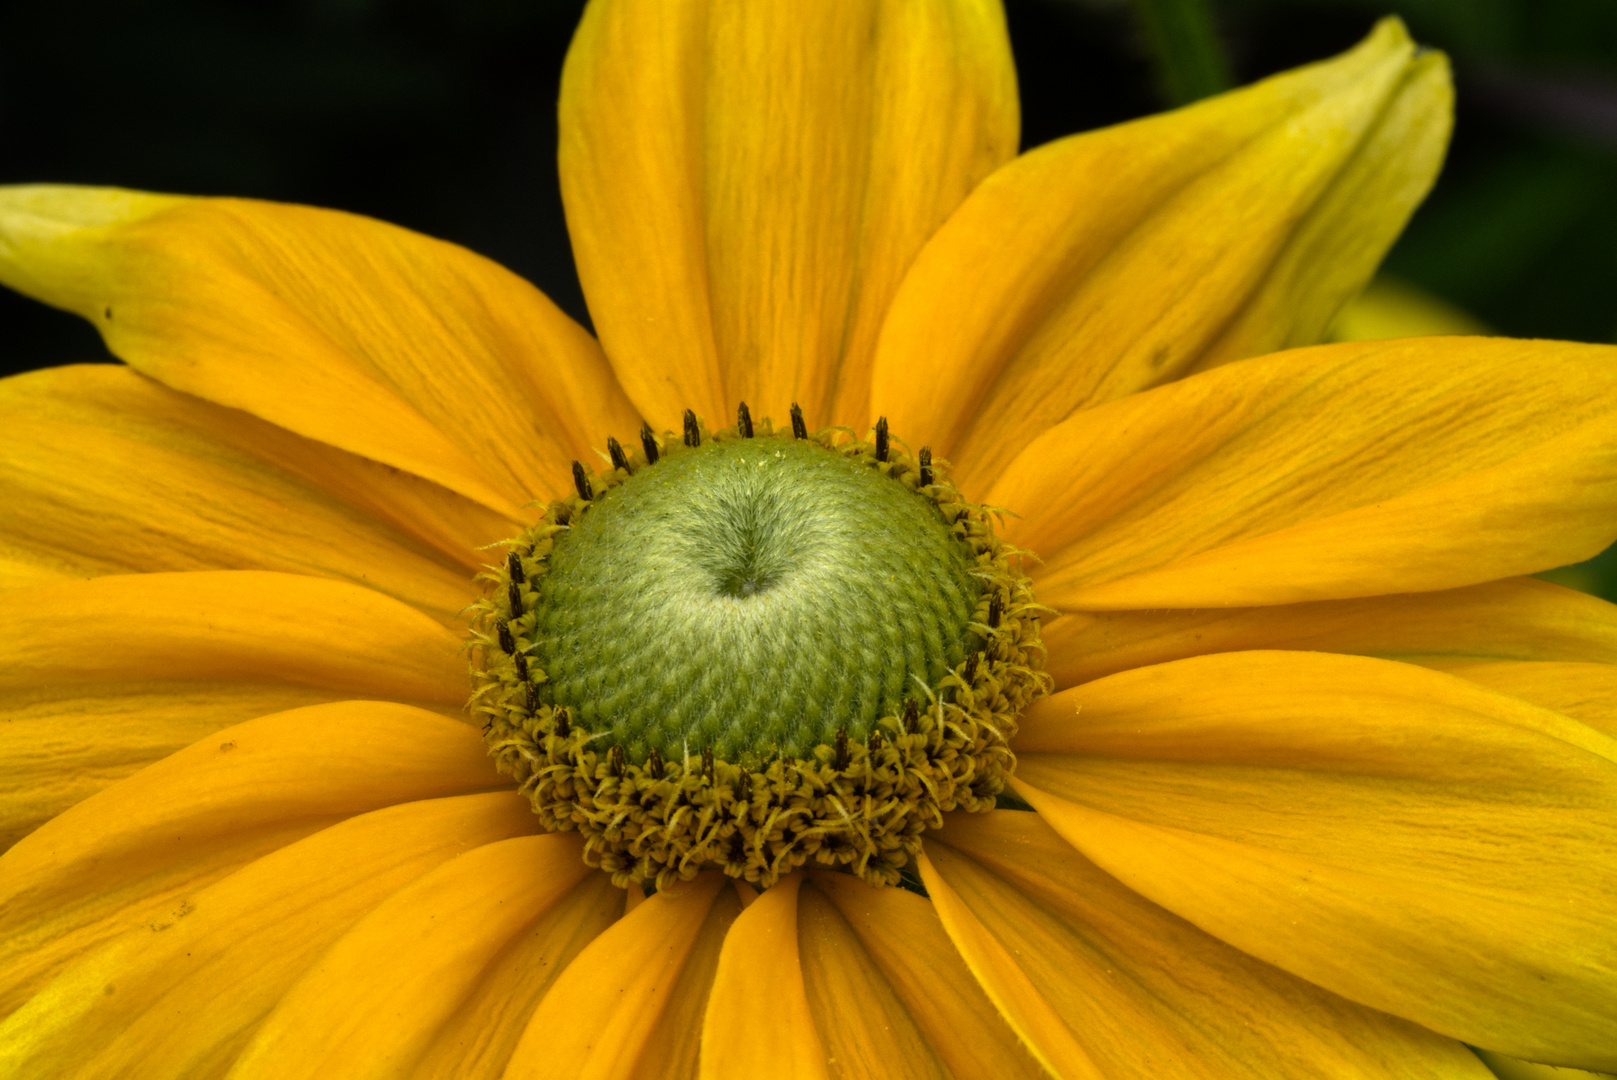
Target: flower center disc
x=755 y=651
x=751 y=597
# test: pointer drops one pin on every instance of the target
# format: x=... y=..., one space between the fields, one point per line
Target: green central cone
x=751 y=597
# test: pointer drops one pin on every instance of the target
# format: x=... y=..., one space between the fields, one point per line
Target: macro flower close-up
x=952 y=617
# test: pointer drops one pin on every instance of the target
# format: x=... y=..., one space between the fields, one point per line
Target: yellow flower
x=1326 y=787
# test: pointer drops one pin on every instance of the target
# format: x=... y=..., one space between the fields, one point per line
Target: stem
x=1189 y=59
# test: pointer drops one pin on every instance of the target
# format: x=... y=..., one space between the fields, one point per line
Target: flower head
x=1324 y=787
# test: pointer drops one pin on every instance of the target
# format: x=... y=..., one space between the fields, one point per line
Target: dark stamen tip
x=654 y=764
x=648 y=443
x=581 y=481
x=881 y=439
x=616 y=762
x=564 y=725
x=926 y=466
x=799 y=428
x=912 y=716
x=507 y=642
x=522 y=666
x=693 y=433
x=513 y=567
x=514 y=597
x=744 y=421
x=620 y=460
x=531 y=696
x=995 y=611
x=842 y=756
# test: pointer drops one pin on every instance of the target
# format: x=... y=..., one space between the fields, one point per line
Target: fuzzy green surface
x=750 y=595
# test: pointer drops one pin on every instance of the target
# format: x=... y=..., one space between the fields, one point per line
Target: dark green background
x=439 y=115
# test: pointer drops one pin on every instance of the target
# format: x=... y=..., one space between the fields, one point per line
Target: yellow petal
x=758 y=1021
x=182 y=995
x=1340 y=471
x=1148 y=994
x=599 y=1017
x=127 y=854
x=477 y=1042
x=890 y=993
x=1585 y=692
x=999 y=972
x=394 y=346
x=107 y=471
x=1407 y=839
x=107 y=676
x=1120 y=259
x=727 y=255
x=1515 y=619
x=370 y=1006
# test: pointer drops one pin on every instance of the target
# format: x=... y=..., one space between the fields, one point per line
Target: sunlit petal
x=380 y=341
x=1340 y=471
x=1515 y=619
x=1146 y=993
x=1408 y=839
x=1120 y=259
x=222 y=957
x=728 y=256
x=106 y=471
x=107 y=676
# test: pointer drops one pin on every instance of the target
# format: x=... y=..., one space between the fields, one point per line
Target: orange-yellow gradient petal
x=999 y=972
x=477 y=1042
x=369 y=1008
x=1517 y=619
x=727 y=254
x=1410 y=840
x=1146 y=993
x=222 y=957
x=1339 y=471
x=394 y=346
x=104 y=677
x=758 y=1021
x=127 y=855
x=602 y=1019
x=889 y=993
x=106 y=471
x=1117 y=260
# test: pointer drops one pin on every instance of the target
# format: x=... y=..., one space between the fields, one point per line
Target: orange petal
x=727 y=256
x=127 y=854
x=1146 y=993
x=478 y=1040
x=1341 y=471
x=108 y=472
x=394 y=346
x=1407 y=839
x=371 y=1005
x=758 y=1021
x=598 y=1020
x=107 y=676
x=889 y=992
x=1515 y=619
x=1097 y=266
x=224 y=956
